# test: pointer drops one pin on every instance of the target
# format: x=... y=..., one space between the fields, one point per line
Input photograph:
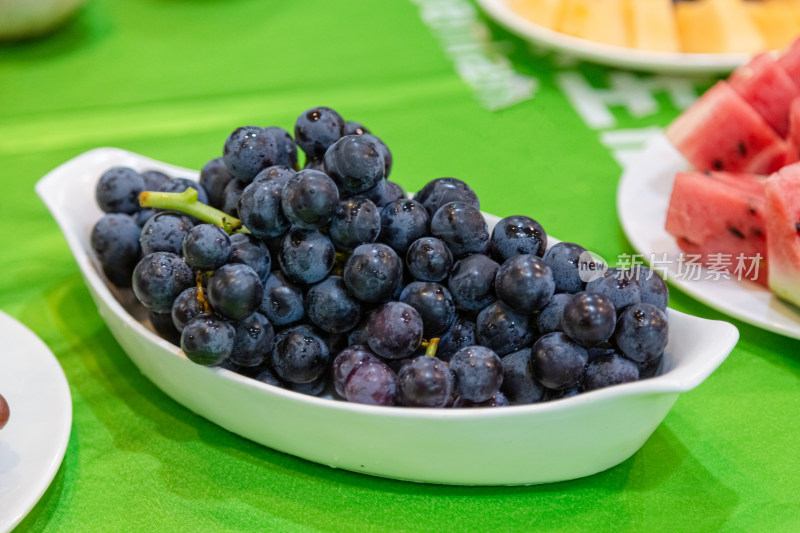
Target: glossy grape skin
x=642 y=332
x=118 y=190
x=384 y=150
x=231 y=195
x=355 y=163
x=159 y=278
x=501 y=329
x=206 y=247
x=395 y=330
x=287 y=149
x=253 y=340
x=306 y=256
x=312 y=388
x=316 y=129
x=235 y=291
x=589 y=318
x=608 y=370
x=429 y=259
x=478 y=372
x=207 y=340
x=115 y=241
x=434 y=303
x=279 y=173
x=153 y=179
x=352 y=127
x=620 y=286
x=384 y=192
x=517 y=235
x=560 y=394
x=525 y=283
x=654 y=290
x=163 y=325
x=371 y=383
x=650 y=369
x=373 y=272
x=548 y=319
x=441 y=191
x=425 y=381
x=519 y=385
x=282 y=302
x=309 y=199
x=186 y=306
x=471 y=282
x=403 y=222
x=259 y=208
x=498 y=400
x=344 y=363
x=164 y=232
x=460 y=335
x=330 y=307
x=176 y=185
x=557 y=361
x=300 y=355
x=250 y=149
x=563 y=258
x=214 y=176
x=252 y=252
x=357 y=221
x=267 y=376
x=462 y=227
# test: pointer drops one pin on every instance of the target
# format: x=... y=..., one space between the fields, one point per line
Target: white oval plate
x=642 y=200
x=33 y=442
x=615 y=56
x=526 y=444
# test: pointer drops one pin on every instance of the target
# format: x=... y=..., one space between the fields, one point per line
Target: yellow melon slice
x=778 y=21
x=717 y=26
x=542 y=12
x=602 y=21
x=652 y=25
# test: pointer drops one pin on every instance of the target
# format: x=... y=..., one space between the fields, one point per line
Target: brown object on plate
x=4 y=412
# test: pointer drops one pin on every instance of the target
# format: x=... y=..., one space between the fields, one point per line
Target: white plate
x=642 y=200
x=526 y=444
x=33 y=442
x=615 y=56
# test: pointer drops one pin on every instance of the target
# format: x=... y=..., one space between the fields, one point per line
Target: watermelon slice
x=765 y=85
x=721 y=131
x=790 y=61
x=713 y=213
x=793 y=138
x=783 y=232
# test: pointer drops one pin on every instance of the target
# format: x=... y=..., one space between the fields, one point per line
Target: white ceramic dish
x=615 y=56
x=33 y=442
x=642 y=200
x=529 y=444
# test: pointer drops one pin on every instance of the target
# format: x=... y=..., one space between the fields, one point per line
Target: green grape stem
x=186 y=202
x=431 y=346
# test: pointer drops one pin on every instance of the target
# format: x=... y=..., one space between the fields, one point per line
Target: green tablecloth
x=171 y=78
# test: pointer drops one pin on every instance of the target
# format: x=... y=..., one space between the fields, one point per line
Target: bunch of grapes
x=331 y=279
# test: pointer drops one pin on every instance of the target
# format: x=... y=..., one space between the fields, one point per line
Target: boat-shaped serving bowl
x=517 y=445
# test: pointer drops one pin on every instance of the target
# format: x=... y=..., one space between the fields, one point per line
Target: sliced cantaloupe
x=652 y=25
x=717 y=26
x=778 y=21
x=602 y=21
x=542 y=12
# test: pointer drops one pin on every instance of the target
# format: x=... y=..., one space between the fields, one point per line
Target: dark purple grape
x=519 y=385
x=548 y=319
x=650 y=369
x=115 y=240
x=253 y=341
x=395 y=330
x=440 y=191
x=300 y=355
x=354 y=128
x=259 y=208
x=516 y=235
x=118 y=190
x=620 y=286
x=498 y=400
x=306 y=255
x=384 y=150
x=642 y=332
x=309 y=199
x=559 y=394
x=207 y=340
x=608 y=370
x=186 y=306
x=176 y=185
x=312 y=388
x=462 y=227
x=425 y=381
x=164 y=232
x=384 y=192
x=524 y=283
x=357 y=221
x=235 y=291
x=589 y=318
x=316 y=129
x=153 y=179
x=159 y=278
x=478 y=371
x=287 y=149
x=282 y=303
x=355 y=162
x=372 y=383
x=252 y=252
x=344 y=363
x=434 y=304
x=403 y=222
x=429 y=259
x=460 y=335
x=266 y=375
x=654 y=290
x=373 y=272
x=206 y=247
x=162 y=324
x=501 y=329
x=214 y=176
x=471 y=282
x=557 y=361
x=230 y=197
x=250 y=149
x=279 y=173
x=330 y=307
x=563 y=258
